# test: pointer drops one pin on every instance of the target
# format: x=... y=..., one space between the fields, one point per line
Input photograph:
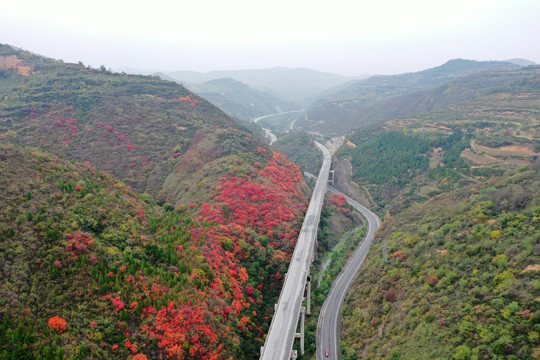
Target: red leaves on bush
x=57 y=324
x=390 y=295
x=250 y=291
x=432 y=280
x=188 y=100
x=118 y=304
x=180 y=326
x=339 y=201
x=79 y=244
x=525 y=314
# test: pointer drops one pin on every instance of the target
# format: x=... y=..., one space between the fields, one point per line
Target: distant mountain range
x=297 y=85
x=366 y=101
x=463 y=89
x=240 y=100
x=290 y=84
x=247 y=94
x=335 y=103
x=521 y=62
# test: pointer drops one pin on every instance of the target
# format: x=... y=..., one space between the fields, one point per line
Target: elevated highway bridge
x=289 y=310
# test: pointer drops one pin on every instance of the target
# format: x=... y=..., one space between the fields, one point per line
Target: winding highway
x=256 y=120
x=280 y=339
x=268 y=132
x=329 y=316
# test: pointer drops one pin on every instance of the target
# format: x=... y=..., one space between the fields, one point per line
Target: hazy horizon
x=343 y=37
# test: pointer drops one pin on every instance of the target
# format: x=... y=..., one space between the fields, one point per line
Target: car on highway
x=327 y=353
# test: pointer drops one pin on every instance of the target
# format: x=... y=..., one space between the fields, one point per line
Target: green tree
x=463 y=352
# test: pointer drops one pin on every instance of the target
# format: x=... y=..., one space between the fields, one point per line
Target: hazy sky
x=349 y=37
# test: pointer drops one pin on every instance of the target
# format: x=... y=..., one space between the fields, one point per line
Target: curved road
x=268 y=132
x=256 y=120
x=329 y=317
x=279 y=341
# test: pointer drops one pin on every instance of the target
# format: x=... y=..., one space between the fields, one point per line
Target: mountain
x=465 y=88
x=521 y=62
x=294 y=85
x=162 y=76
x=137 y=220
x=146 y=131
x=240 y=100
x=335 y=113
x=452 y=272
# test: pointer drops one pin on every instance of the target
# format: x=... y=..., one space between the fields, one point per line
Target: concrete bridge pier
x=331 y=178
x=307 y=298
x=300 y=335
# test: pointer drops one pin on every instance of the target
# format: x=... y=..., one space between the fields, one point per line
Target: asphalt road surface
x=328 y=325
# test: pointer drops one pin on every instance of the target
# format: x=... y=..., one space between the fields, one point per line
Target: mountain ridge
x=325 y=114
x=462 y=89
x=293 y=84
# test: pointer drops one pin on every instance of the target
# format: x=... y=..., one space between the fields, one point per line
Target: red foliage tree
x=432 y=280
x=57 y=324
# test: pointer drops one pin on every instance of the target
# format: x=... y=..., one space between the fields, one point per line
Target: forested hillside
x=92 y=269
x=146 y=131
x=363 y=101
x=460 y=190
x=461 y=280
x=136 y=220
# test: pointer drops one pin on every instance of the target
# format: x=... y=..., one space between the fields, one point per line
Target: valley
x=145 y=219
